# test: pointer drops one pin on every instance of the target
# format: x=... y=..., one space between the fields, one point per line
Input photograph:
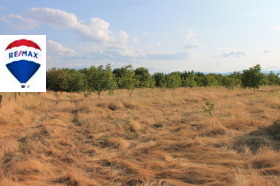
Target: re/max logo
x=23 y=54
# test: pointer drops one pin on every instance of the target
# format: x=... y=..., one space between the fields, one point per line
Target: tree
x=199 y=76
x=237 y=77
x=57 y=79
x=229 y=82
x=273 y=79
x=189 y=81
x=144 y=77
x=160 y=79
x=100 y=79
x=252 y=78
x=118 y=72
x=173 y=80
x=265 y=81
x=76 y=81
x=128 y=80
x=186 y=74
x=209 y=80
x=0 y=100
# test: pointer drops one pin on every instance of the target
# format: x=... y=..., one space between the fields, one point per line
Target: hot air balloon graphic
x=23 y=59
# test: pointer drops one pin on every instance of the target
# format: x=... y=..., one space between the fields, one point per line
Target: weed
x=208 y=108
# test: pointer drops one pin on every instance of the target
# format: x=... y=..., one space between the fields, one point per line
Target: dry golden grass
x=157 y=138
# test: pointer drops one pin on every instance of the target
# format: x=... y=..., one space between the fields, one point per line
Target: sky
x=161 y=35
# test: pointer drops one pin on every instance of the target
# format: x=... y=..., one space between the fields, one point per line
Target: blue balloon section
x=23 y=70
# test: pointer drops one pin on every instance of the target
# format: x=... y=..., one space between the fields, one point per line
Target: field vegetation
x=183 y=136
x=100 y=79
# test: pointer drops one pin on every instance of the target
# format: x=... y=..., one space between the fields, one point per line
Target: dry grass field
x=159 y=137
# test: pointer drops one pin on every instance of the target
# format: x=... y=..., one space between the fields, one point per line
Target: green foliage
x=252 y=78
x=100 y=79
x=189 y=82
x=118 y=72
x=128 y=80
x=229 y=82
x=0 y=100
x=236 y=76
x=265 y=80
x=208 y=108
x=57 y=79
x=160 y=79
x=76 y=81
x=86 y=94
x=199 y=79
x=273 y=79
x=144 y=78
x=173 y=80
x=209 y=80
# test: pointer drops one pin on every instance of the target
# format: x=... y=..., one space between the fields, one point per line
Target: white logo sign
x=23 y=63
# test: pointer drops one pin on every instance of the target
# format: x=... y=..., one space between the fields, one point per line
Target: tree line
x=104 y=78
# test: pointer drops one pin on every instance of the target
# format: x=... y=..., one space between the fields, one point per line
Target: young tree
x=57 y=79
x=252 y=78
x=189 y=81
x=237 y=77
x=128 y=80
x=76 y=81
x=0 y=100
x=118 y=72
x=173 y=80
x=209 y=80
x=160 y=79
x=144 y=77
x=273 y=79
x=229 y=82
x=100 y=79
x=199 y=77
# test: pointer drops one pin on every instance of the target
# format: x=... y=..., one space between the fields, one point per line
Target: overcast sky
x=162 y=35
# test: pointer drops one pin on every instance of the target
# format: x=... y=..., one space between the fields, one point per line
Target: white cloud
x=97 y=41
x=193 y=45
x=275 y=28
x=266 y=51
x=110 y=50
x=95 y=29
x=123 y=36
x=159 y=45
x=19 y=22
x=193 y=40
x=57 y=49
x=190 y=35
x=232 y=53
x=167 y=55
x=135 y=40
x=55 y=17
x=146 y=33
